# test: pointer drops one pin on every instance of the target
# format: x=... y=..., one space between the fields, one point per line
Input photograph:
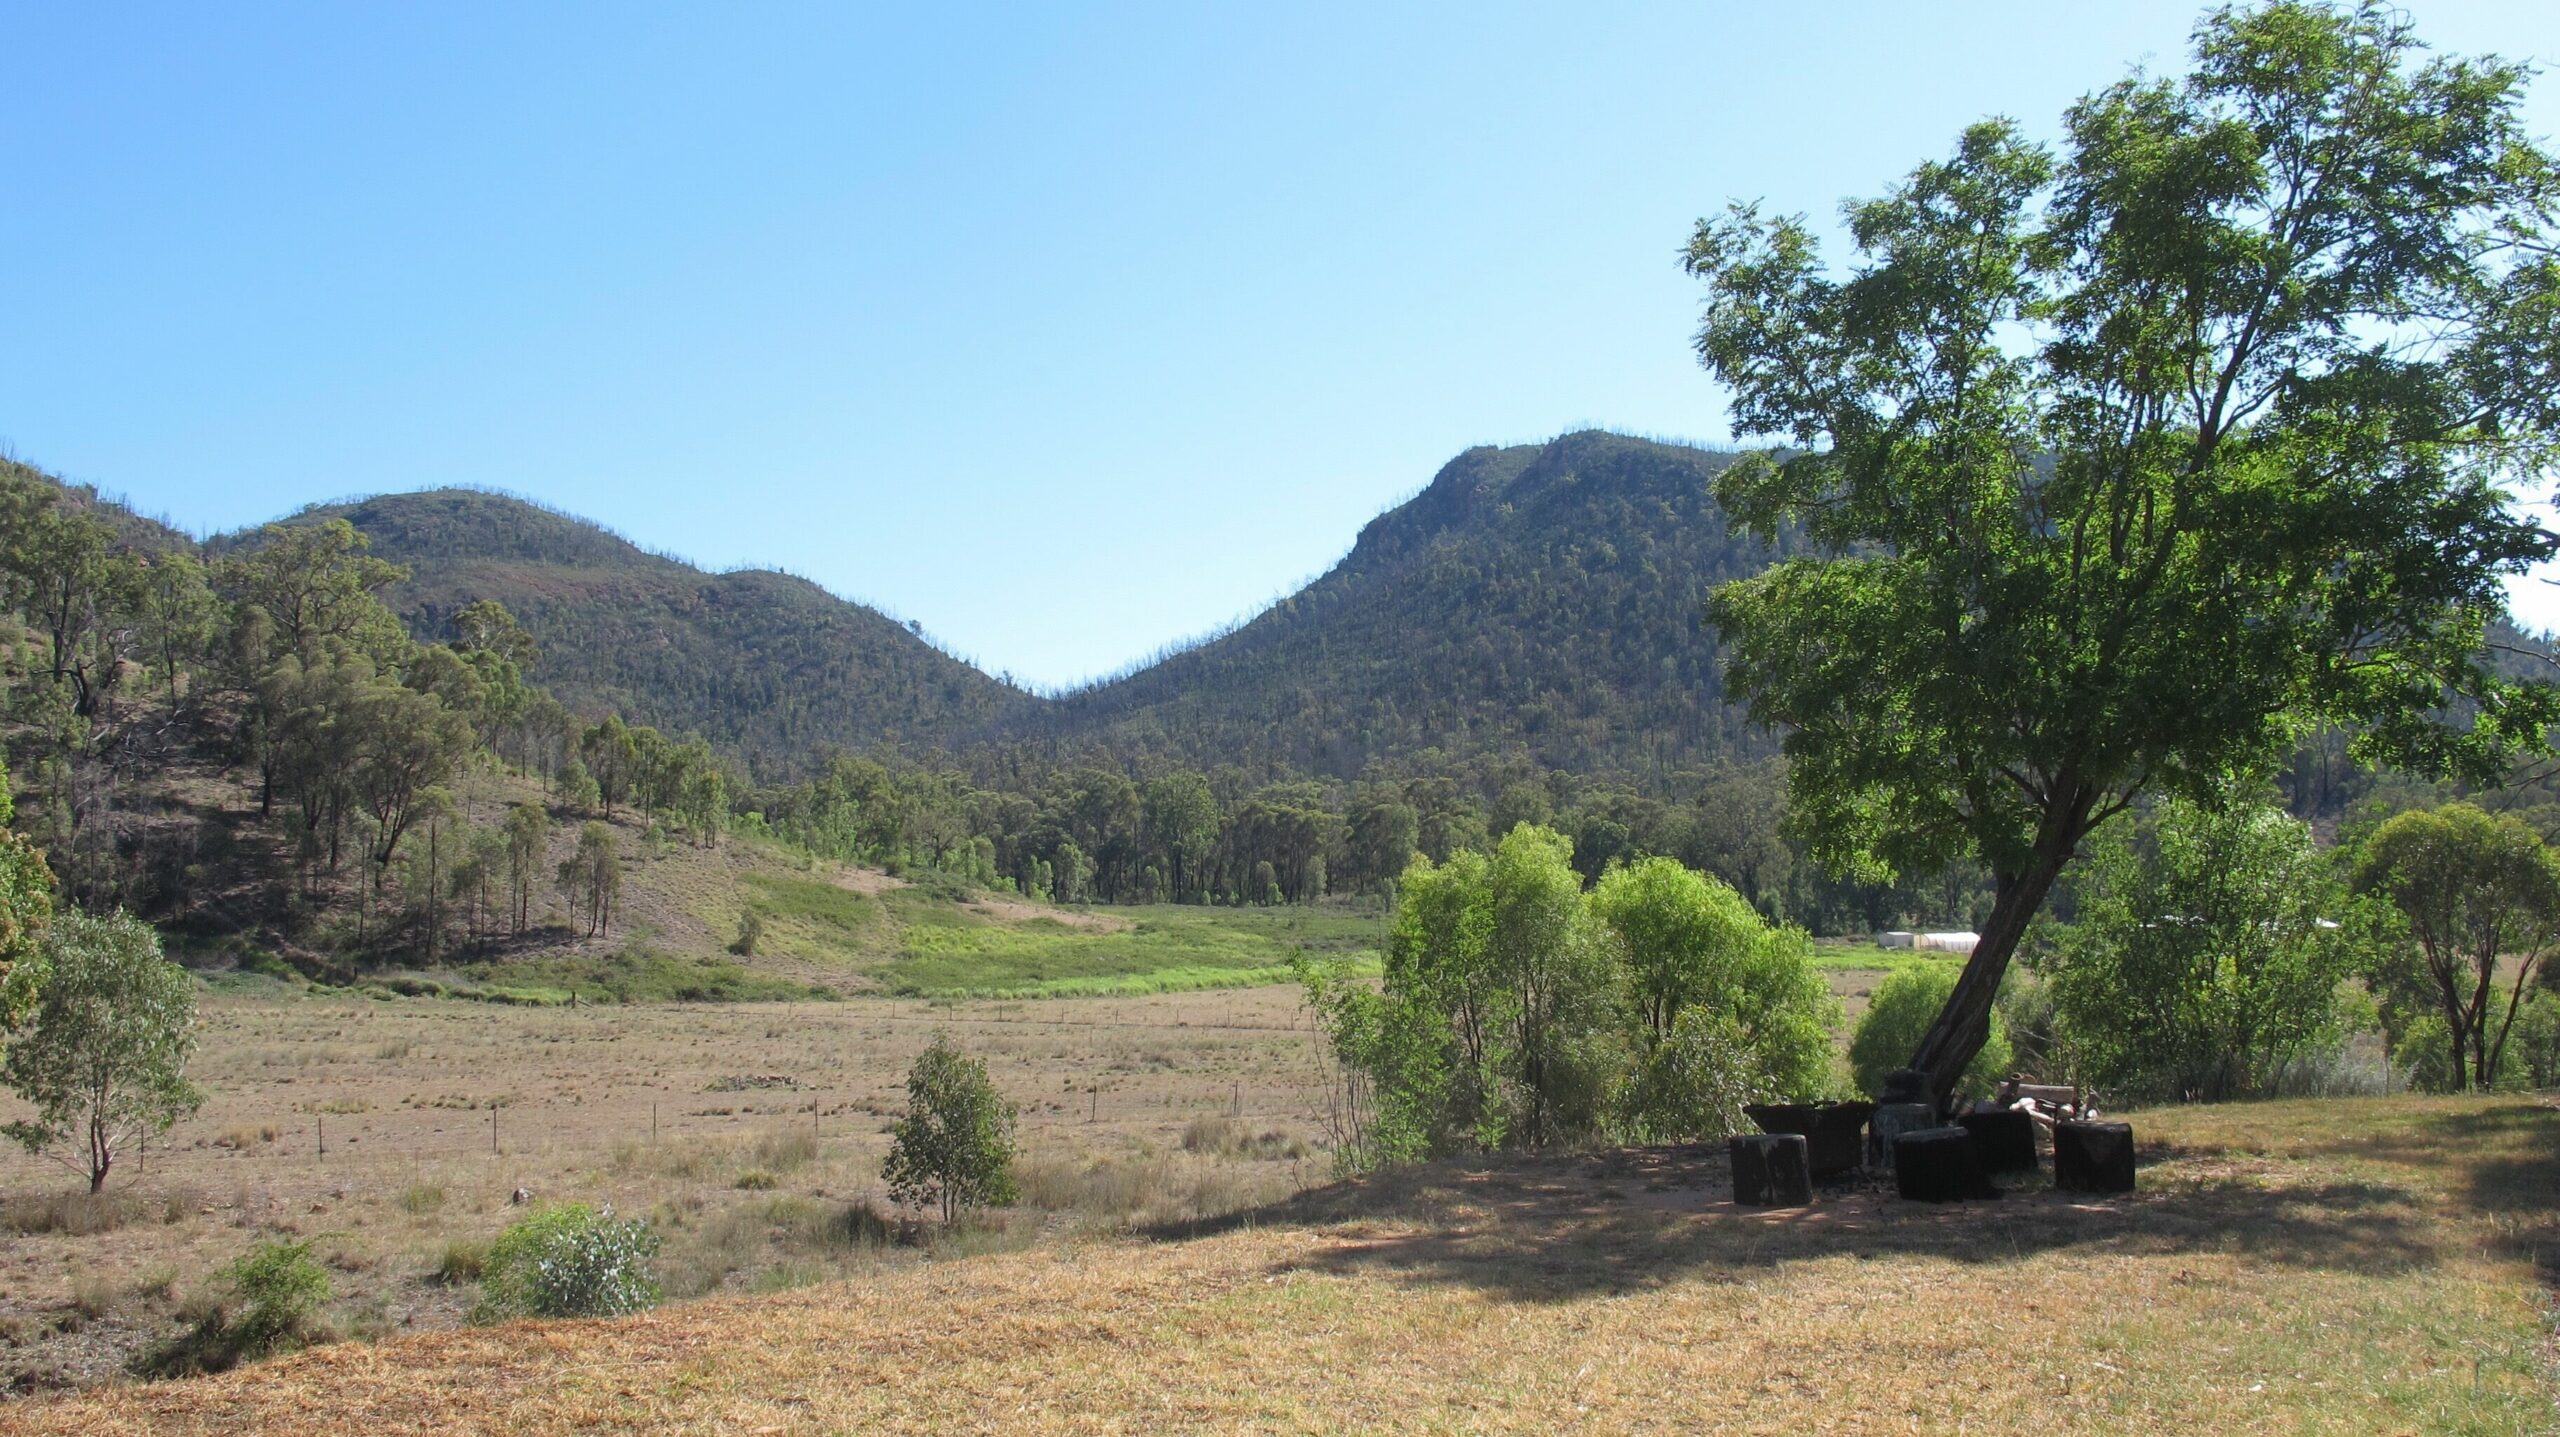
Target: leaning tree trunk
x=1964 y=1024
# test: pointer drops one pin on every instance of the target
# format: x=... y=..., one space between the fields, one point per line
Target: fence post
x=321 y=1123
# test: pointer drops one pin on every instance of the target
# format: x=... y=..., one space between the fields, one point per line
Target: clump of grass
x=756 y=1180
x=460 y=1264
x=72 y=1214
x=786 y=1152
x=242 y=1138
x=1141 y=1188
x=1226 y=1137
x=92 y=1296
x=418 y=1199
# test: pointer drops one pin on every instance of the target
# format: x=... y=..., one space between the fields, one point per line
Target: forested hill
x=769 y=667
x=1544 y=598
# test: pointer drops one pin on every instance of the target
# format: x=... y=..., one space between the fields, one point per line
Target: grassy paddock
x=2352 y=1267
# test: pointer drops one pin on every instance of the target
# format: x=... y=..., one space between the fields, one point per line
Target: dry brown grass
x=2349 y=1267
x=406 y=1089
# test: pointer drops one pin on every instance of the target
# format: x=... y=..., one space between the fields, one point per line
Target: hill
x=1539 y=600
x=767 y=666
x=1543 y=599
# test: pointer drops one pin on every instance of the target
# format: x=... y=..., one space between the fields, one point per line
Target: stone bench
x=1770 y=1170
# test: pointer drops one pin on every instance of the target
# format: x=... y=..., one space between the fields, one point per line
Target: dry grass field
x=738 y=1127
x=1182 y=1260
x=2362 y=1266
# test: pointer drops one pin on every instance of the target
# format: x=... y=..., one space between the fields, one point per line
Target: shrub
x=1904 y=1005
x=570 y=1260
x=1693 y=1084
x=955 y=1144
x=750 y=933
x=279 y=1287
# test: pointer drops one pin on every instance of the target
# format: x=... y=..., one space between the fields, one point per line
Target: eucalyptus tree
x=2122 y=465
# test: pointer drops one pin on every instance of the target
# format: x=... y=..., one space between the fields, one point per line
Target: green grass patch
x=951 y=952
x=631 y=976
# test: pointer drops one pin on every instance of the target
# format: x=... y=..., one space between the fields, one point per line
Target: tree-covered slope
x=1543 y=598
x=768 y=666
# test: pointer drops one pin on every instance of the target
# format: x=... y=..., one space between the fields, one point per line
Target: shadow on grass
x=1558 y=1228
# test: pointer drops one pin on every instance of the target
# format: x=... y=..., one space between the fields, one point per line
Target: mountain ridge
x=1536 y=600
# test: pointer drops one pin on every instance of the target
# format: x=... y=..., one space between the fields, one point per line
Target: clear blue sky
x=1068 y=331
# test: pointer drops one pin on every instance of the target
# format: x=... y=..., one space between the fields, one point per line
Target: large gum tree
x=2122 y=463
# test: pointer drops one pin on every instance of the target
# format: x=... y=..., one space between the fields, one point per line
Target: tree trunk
x=1964 y=1024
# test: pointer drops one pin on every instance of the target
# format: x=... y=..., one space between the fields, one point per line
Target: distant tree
x=528 y=839
x=316 y=582
x=103 y=1057
x=2122 y=469
x=1383 y=836
x=178 y=614
x=591 y=877
x=26 y=903
x=2207 y=958
x=1182 y=818
x=955 y=1144
x=612 y=757
x=577 y=788
x=2477 y=889
x=485 y=626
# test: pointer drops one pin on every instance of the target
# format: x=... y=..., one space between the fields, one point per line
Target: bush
x=570 y=1260
x=1904 y=1005
x=1693 y=1084
x=955 y=1145
x=280 y=1288
x=275 y=1289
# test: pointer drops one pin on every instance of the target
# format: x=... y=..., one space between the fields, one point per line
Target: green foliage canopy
x=2125 y=466
x=103 y=1057
x=2208 y=955
x=2476 y=889
x=955 y=1145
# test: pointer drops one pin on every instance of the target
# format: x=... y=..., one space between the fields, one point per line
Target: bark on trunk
x=1964 y=1024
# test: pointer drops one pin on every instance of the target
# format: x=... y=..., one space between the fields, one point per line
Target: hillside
x=770 y=667
x=1541 y=599
x=1544 y=598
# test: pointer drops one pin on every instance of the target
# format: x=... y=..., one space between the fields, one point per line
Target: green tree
x=1558 y=990
x=591 y=877
x=2122 y=468
x=528 y=839
x=26 y=902
x=1900 y=1010
x=2207 y=957
x=2475 y=888
x=955 y=1145
x=314 y=583
x=1182 y=818
x=103 y=1057
x=484 y=626
x=1680 y=933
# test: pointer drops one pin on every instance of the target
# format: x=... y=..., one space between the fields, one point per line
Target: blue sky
x=1066 y=331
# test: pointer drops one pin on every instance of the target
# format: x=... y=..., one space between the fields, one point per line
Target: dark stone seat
x=2003 y=1138
x=1835 y=1134
x=1770 y=1169
x=2093 y=1157
x=1938 y=1165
